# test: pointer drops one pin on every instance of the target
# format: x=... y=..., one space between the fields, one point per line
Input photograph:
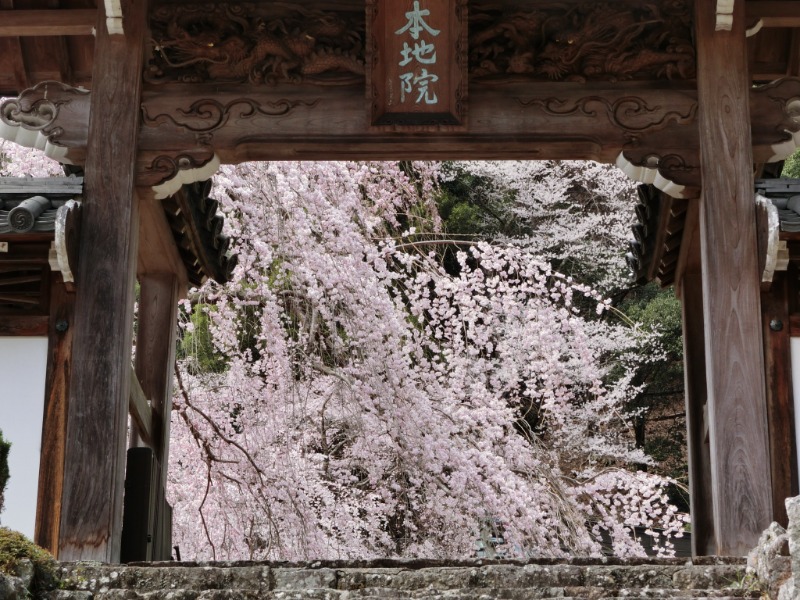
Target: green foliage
x=473 y=206
x=791 y=167
x=660 y=424
x=15 y=547
x=5 y=448
x=657 y=309
x=196 y=345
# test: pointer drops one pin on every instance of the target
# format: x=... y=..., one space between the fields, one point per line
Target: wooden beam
x=516 y=120
x=519 y=120
x=155 y=358
x=740 y=468
x=91 y=518
x=689 y=257
x=12 y=48
x=22 y=325
x=694 y=370
x=54 y=424
x=52 y=22
x=48 y=58
x=140 y=410
x=155 y=350
x=158 y=254
x=778 y=13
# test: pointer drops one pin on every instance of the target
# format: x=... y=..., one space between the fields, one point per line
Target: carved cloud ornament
x=629 y=113
x=669 y=173
x=590 y=41
x=166 y=174
x=208 y=115
x=269 y=43
x=52 y=116
x=777 y=128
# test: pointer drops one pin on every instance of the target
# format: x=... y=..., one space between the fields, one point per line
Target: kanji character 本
x=416 y=23
x=422 y=51
x=421 y=81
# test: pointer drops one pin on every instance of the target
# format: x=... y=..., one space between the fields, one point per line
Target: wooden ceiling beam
x=48 y=22
x=775 y=13
x=187 y=127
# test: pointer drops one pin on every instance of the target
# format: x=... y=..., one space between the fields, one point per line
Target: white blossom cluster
x=370 y=404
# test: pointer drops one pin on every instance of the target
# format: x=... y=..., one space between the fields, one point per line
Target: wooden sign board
x=417 y=64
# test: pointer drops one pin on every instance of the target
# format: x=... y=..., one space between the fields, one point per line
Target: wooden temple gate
x=149 y=98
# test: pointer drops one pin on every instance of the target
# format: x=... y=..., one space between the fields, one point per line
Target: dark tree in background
x=5 y=447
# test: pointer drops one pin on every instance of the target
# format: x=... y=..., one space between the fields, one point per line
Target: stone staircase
x=395 y=580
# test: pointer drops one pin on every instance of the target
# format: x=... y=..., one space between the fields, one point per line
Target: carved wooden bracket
x=775 y=124
x=50 y=116
x=776 y=119
x=674 y=174
x=165 y=174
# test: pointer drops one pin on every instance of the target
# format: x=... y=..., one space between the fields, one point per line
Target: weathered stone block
x=769 y=561
x=303 y=579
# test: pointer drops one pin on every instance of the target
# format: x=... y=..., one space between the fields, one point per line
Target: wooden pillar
x=54 y=423
x=740 y=466
x=91 y=516
x=155 y=357
x=694 y=370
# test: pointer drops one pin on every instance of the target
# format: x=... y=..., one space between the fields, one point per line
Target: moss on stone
x=15 y=547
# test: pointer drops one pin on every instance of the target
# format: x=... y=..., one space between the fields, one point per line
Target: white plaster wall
x=22 y=377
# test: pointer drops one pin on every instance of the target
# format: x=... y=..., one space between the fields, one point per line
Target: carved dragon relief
x=604 y=41
x=267 y=43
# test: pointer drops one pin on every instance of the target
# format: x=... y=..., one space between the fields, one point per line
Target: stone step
x=362 y=579
x=388 y=594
